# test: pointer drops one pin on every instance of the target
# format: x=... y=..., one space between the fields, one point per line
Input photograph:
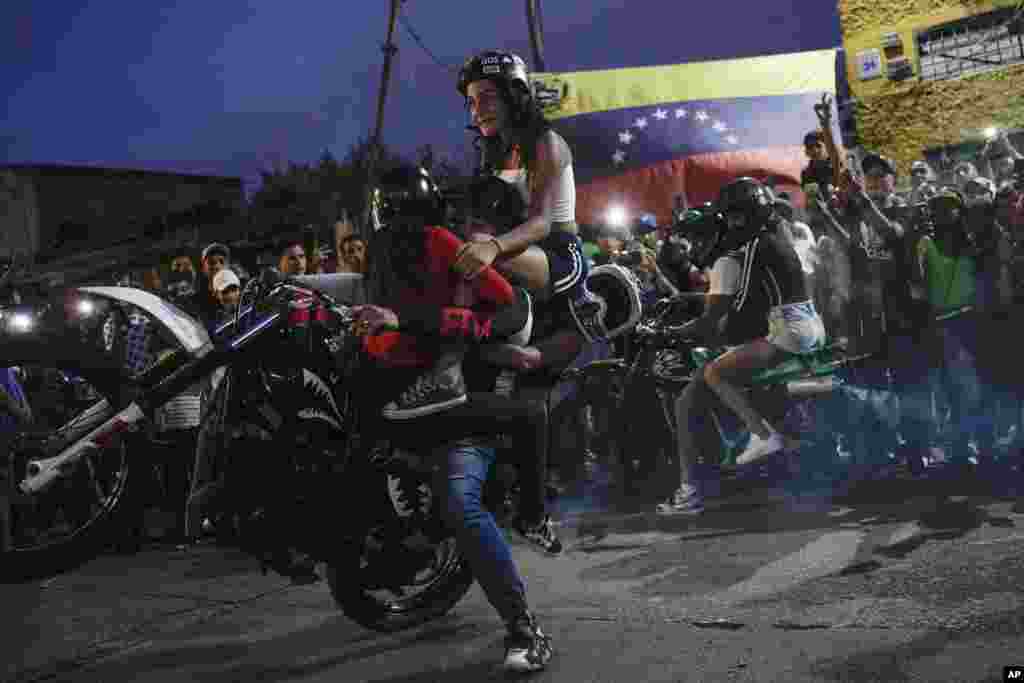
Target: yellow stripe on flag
x=585 y=92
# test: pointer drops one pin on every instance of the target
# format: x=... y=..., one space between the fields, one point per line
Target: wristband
x=497 y=245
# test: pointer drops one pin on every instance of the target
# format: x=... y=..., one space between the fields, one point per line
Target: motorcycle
x=802 y=394
x=280 y=449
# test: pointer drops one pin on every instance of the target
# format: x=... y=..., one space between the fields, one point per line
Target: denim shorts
x=796 y=328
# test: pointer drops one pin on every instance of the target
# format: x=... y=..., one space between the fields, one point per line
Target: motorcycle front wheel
x=74 y=519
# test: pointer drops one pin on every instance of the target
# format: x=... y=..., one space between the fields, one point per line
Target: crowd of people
x=923 y=280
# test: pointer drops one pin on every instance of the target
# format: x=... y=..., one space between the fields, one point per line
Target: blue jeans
x=479 y=539
x=957 y=376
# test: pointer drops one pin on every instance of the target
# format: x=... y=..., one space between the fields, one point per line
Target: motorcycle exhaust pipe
x=813 y=386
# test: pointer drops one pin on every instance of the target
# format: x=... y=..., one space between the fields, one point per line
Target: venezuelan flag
x=641 y=136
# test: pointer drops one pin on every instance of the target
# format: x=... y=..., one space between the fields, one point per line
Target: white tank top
x=564 y=209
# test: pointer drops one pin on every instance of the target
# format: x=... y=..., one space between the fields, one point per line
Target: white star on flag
x=661 y=114
x=619 y=156
x=720 y=127
x=641 y=123
x=625 y=137
x=681 y=113
x=732 y=139
x=701 y=116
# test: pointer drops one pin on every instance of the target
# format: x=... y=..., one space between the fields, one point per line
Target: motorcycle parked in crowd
x=280 y=448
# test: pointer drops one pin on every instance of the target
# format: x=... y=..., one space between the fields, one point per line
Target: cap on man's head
x=217 y=248
x=224 y=279
x=877 y=161
x=813 y=138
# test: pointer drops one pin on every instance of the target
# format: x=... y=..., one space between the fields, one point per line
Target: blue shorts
x=566 y=265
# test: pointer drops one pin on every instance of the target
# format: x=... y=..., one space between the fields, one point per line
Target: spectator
x=922 y=183
x=215 y=258
x=611 y=240
x=351 y=255
x=963 y=172
x=151 y=280
x=948 y=268
x=228 y=289
x=181 y=262
x=293 y=258
x=819 y=168
x=1001 y=156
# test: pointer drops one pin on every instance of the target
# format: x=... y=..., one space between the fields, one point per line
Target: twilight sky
x=229 y=86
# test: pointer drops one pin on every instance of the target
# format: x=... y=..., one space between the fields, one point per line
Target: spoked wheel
x=67 y=522
x=402 y=570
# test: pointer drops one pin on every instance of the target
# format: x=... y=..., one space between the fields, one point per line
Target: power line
x=419 y=41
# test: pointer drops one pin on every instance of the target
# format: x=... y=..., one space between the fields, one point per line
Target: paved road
x=760 y=590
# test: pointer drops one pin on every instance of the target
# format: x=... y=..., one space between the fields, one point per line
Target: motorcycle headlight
x=19 y=323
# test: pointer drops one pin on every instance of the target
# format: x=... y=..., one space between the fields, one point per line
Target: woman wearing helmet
x=542 y=250
x=759 y=274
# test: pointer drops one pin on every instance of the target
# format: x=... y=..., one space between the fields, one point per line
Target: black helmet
x=947 y=208
x=749 y=198
x=703 y=229
x=503 y=67
x=497 y=202
x=406 y=191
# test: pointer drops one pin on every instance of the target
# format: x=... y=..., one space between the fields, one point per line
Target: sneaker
x=685 y=501
x=543 y=536
x=760 y=448
x=527 y=648
x=430 y=393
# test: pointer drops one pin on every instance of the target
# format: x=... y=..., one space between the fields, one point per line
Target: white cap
x=225 y=279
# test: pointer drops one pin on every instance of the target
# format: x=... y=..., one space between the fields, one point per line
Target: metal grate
x=976 y=44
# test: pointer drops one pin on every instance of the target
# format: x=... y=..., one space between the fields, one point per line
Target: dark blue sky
x=227 y=86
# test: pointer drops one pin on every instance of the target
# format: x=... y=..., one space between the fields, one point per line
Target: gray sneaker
x=543 y=536
x=431 y=393
x=527 y=648
x=685 y=501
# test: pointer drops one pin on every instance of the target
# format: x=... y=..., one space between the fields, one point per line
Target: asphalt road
x=901 y=588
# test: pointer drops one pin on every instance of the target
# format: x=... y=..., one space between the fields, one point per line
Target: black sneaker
x=527 y=648
x=542 y=535
x=430 y=393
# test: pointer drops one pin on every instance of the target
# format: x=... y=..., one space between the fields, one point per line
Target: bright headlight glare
x=20 y=322
x=86 y=307
x=616 y=216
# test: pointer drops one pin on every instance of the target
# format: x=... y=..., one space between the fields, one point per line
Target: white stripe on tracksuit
x=570 y=280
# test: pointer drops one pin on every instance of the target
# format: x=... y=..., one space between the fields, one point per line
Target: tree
x=317 y=193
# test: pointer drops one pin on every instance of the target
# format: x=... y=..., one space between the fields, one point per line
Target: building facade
x=52 y=211
x=933 y=74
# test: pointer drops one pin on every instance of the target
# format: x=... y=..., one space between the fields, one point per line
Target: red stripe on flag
x=653 y=188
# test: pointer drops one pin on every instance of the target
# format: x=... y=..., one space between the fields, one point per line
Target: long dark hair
x=526 y=126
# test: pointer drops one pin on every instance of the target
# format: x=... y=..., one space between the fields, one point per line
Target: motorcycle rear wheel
x=452 y=582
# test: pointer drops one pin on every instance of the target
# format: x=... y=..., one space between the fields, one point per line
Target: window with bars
x=976 y=44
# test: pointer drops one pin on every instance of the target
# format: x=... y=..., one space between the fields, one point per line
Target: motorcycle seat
x=818 y=363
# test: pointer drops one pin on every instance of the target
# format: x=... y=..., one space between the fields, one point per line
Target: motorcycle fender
x=186 y=330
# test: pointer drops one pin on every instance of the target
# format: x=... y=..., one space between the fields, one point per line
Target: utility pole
x=536 y=34
x=389 y=48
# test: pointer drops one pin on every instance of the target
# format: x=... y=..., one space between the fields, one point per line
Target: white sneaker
x=759 y=448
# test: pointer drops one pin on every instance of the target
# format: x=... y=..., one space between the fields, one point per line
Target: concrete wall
x=902 y=118
x=19 y=219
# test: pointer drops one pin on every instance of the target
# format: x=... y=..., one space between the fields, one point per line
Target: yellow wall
x=901 y=118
